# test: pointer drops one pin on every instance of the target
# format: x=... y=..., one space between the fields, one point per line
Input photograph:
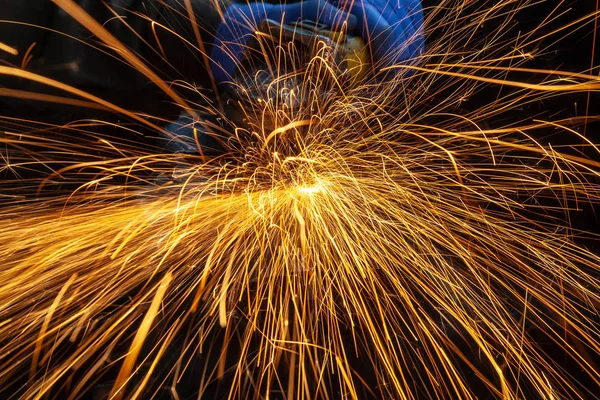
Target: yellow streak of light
x=140 y=337
x=8 y=49
x=47 y=319
x=59 y=85
x=583 y=86
x=79 y=14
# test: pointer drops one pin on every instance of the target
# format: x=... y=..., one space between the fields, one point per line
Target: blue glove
x=394 y=29
x=240 y=22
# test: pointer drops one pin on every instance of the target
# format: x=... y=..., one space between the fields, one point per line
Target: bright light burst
x=374 y=242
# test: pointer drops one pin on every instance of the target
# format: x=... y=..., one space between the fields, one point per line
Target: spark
x=8 y=49
x=312 y=189
x=367 y=240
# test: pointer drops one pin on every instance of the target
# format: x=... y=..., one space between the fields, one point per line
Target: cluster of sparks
x=351 y=251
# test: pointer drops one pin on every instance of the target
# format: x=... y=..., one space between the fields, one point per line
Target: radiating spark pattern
x=372 y=229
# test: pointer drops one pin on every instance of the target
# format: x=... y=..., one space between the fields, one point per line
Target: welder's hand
x=240 y=22
x=393 y=28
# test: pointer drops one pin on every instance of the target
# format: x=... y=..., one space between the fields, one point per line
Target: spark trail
x=363 y=245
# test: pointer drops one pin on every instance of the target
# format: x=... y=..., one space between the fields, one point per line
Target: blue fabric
x=183 y=128
x=185 y=140
x=394 y=28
